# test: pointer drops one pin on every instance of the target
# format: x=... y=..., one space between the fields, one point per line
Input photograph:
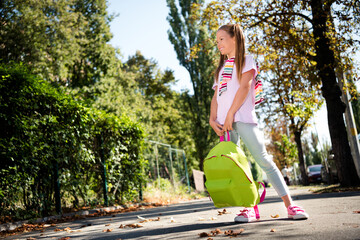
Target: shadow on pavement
x=308 y=196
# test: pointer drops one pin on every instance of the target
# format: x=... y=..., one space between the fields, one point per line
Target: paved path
x=331 y=217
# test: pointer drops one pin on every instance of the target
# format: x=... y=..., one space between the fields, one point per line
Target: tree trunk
x=302 y=164
x=332 y=94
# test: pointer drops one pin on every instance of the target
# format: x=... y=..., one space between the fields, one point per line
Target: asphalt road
x=332 y=216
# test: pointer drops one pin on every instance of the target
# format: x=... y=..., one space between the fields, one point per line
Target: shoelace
x=244 y=212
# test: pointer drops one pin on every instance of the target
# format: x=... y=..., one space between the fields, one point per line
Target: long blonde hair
x=233 y=30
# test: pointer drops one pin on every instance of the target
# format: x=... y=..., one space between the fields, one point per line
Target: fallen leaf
x=210 y=239
x=273 y=230
x=201 y=219
x=121 y=226
x=234 y=233
x=204 y=234
x=31 y=238
x=216 y=232
x=356 y=211
x=275 y=216
x=108 y=230
x=64 y=238
x=223 y=212
x=172 y=219
x=131 y=225
x=212 y=218
x=57 y=230
x=107 y=225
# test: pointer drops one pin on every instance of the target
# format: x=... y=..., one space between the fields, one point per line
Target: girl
x=233 y=109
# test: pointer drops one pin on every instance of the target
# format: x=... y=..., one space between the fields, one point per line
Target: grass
x=323 y=188
x=163 y=192
x=335 y=188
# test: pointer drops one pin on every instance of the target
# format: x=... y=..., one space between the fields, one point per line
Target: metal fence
x=166 y=162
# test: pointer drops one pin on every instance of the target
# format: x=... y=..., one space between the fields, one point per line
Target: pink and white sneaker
x=296 y=212
x=246 y=215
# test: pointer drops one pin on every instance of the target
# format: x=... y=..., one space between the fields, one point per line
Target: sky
x=142 y=25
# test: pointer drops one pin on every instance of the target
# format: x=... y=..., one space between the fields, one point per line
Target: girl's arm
x=241 y=94
x=213 y=113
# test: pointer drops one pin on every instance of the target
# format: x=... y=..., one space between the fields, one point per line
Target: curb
x=14 y=225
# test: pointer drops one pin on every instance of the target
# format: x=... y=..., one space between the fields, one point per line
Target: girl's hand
x=217 y=128
x=228 y=123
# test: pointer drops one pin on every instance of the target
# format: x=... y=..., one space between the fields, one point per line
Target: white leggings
x=253 y=138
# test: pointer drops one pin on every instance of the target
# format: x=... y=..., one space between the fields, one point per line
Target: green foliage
x=42 y=126
x=143 y=92
x=65 y=41
x=314 y=155
x=288 y=150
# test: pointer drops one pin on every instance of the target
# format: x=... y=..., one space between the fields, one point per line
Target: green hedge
x=43 y=128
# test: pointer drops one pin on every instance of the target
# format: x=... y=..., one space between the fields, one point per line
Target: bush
x=42 y=130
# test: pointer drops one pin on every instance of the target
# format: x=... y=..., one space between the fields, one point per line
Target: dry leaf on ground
x=223 y=212
x=273 y=230
x=275 y=216
x=150 y=220
x=234 y=233
x=204 y=234
x=133 y=225
x=108 y=230
x=216 y=232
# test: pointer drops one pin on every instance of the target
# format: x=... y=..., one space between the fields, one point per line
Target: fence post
x=103 y=161
x=186 y=172
x=157 y=164
x=177 y=161
x=172 y=168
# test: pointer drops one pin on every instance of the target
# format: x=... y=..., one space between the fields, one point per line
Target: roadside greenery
x=44 y=129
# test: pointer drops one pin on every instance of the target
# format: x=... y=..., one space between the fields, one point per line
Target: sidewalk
x=332 y=216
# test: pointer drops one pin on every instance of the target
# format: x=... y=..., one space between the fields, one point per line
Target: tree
x=288 y=150
x=315 y=155
x=186 y=34
x=294 y=22
x=292 y=93
x=64 y=41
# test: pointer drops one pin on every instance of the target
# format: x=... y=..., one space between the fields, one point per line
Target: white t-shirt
x=246 y=112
